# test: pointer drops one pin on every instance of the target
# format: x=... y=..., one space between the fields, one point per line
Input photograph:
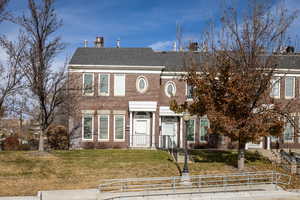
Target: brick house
x=125 y=94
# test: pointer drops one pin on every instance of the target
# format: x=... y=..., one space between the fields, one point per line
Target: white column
x=130 y=129
x=160 y=134
x=268 y=143
x=153 y=130
x=181 y=133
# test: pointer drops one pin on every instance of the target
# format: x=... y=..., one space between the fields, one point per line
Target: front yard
x=25 y=173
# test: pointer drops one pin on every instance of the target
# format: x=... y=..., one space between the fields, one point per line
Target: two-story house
x=125 y=94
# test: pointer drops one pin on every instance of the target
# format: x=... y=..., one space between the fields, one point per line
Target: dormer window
x=142 y=84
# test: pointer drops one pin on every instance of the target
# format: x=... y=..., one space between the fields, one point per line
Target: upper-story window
x=88 y=84
x=119 y=85
x=189 y=91
x=104 y=84
x=170 y=89
x=289 y=87
x=275 y=88
x=141 y=84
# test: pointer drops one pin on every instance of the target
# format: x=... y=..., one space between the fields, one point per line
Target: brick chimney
x=99 y=42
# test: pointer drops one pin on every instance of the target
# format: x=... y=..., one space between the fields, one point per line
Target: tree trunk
x=41 y=141
x=241 y=157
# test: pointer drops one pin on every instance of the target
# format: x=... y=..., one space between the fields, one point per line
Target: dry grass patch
x=25 y=173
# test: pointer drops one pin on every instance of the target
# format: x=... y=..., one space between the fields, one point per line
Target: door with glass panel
x=141 y=136
x=169 y=132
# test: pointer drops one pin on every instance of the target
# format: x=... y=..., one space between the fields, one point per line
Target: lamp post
x=185 y=177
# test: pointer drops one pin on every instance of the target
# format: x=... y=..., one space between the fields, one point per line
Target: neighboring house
x=125 y=94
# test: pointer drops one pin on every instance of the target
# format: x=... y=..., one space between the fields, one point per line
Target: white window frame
x=186 y=93
x=83 y=116
x=192 y=141
x=174 y=88
x=275 y=80
x=294 y=83
x=88 y=94
x=100 y=139
x=203 y=118
x=115 y=85
x=108 y=85
x=293 y=135
x=146 y=84
x=115 y=139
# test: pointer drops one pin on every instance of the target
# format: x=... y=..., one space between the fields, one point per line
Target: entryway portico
x=142 y=124
x=171 y=124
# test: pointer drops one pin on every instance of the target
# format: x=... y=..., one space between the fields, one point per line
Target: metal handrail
x=198 y=181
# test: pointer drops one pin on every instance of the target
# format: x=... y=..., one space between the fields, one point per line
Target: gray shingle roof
x=173 y=61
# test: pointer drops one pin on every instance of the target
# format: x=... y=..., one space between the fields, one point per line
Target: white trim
x=138 y=79
x=165 y=111
x=170 y=77
x=115 y=86
x=108 y=85
x=93 y=85
x=181 y=132
x=119 y=140
x=274 y=81
x=82 y=129
x=282 y=75
x=173 y=86
x=114 y=71
x=294 y=83
x=153 y=130
x=100 y=127
x=130 y=129
x=117 y=66
x=143 y=106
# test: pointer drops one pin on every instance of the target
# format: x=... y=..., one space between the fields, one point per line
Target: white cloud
x=162 y=45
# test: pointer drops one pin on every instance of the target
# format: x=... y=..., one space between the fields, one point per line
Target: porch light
x=186 y=116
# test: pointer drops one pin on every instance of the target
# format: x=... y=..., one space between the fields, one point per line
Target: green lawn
x=25 y=173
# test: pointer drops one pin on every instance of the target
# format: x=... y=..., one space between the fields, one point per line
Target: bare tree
x=11 y=71
x=3 y=14
x=45 y=83
x=235 y=77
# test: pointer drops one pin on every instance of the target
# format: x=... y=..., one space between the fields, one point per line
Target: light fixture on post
x=185 y=177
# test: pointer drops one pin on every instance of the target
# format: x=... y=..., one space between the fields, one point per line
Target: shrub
x=58 y=138
x=11 y=143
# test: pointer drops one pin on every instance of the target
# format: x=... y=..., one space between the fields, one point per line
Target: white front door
x=141 y=137
x=169 y=136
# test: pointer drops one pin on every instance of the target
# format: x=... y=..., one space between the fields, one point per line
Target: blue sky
x=138 y=23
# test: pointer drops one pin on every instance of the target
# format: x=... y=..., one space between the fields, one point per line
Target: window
x=103 y=127
x=119 y=129
x=288 y=132
x=289 y=87
x=141 y=84
x=189 y=91
x=104 y=84
x=275 y=88
x=88 y=84
x=170 y=89
x=191 y=130
x=87 y=128
x=119 y=85
x=204 y=125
